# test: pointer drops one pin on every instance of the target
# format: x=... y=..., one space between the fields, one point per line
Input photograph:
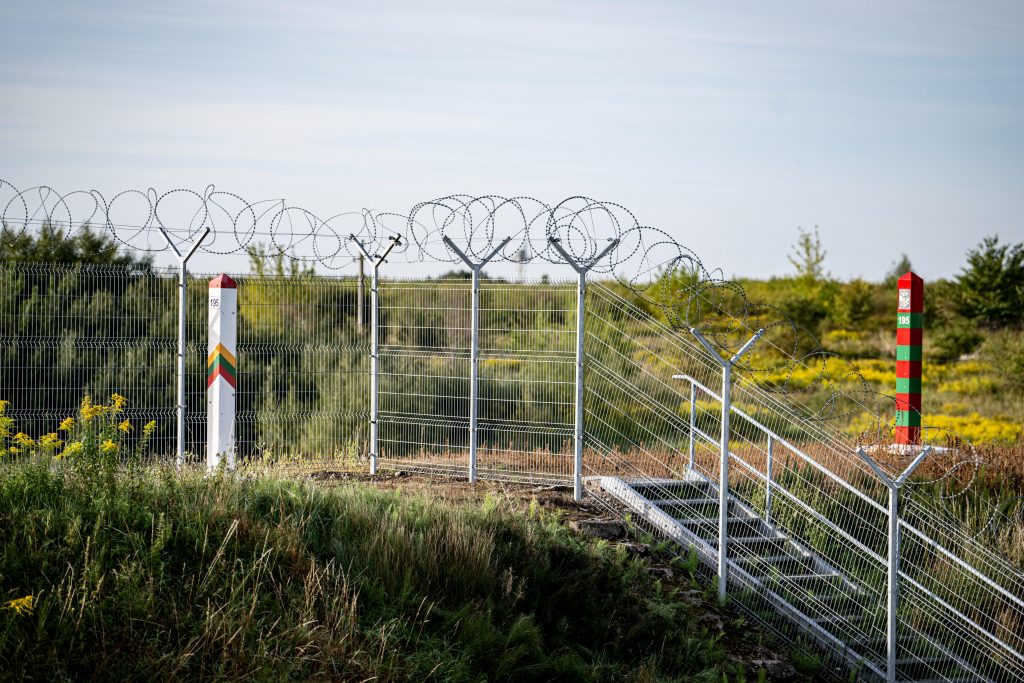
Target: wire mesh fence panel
x=68 y=331
x=424 y=375
x=527 y=381
x=302 y=394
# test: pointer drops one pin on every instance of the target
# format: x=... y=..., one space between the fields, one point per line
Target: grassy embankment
x=153 y=574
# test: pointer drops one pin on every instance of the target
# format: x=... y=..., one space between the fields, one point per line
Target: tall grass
x=161 y=574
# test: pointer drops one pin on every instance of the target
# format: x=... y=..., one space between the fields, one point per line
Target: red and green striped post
x=908 y=359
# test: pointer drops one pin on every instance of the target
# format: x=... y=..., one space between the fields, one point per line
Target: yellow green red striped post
x=221 y=372
x=909 y=334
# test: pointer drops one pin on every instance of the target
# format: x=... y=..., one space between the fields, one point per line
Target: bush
x=992 y=284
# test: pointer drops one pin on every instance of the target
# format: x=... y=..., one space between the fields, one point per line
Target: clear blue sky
x=894 y=126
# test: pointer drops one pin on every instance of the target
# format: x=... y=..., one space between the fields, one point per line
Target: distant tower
x=521 y=257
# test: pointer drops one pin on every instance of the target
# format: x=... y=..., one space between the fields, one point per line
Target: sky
x=895 y=127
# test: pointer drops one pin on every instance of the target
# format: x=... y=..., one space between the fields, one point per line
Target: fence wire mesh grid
x=806 y=517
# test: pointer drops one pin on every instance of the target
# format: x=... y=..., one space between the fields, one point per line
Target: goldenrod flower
x=14 y=449
x=24 y=439
x=20 y=605
x=67 y=424
x=50 y=441
x=149 y=428
x=125 y=426
x=117 y=402
x=88 y=410
x=72 y=449
x=108 y=446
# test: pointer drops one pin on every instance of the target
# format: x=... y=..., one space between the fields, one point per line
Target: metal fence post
x=374 y=345
x=693 y=423
x=474 y=351
x=581 y=295
x=893 y=578
x=723 y=460
x=768 y=467
x=182 y=317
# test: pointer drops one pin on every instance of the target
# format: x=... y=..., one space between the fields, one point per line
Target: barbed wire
x=656 y=268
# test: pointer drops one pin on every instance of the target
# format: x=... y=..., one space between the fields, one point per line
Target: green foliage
x=1005 y=350
x=170 y=575
x=853 y=304
x=954 y=341
x=991 y=286
x=808 y=256
x=52 y=245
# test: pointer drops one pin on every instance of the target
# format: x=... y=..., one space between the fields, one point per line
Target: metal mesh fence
x=807 y=517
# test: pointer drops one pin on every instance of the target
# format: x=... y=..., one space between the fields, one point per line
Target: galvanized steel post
x=723 y=461
x=182 y=316
x=581 y=294
x=474 y=352
x=892 y=603
x=374 y=345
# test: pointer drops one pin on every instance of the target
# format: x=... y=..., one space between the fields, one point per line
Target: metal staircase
x=806 y=525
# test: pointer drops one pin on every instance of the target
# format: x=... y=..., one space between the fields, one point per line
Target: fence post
x=693 y=424
x=474 y=351
x=769 y=466
x=182 y=291
x=221 y=372
x=723 y=462
x=581 y=269
x=374 y=344
x=893 y=578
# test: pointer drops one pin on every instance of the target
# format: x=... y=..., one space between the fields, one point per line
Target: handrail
x=870 y=553
x=845 y=484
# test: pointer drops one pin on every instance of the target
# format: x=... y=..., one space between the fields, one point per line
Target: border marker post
x=221 y=373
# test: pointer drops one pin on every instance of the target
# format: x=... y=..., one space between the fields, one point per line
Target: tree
x=51 y=245
x=808 y=256
x=991 y=286
x=898 y=270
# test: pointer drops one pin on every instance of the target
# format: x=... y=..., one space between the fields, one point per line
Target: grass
x=153 y=574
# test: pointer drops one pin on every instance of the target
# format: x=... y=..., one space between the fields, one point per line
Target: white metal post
x=474 y=352
x=374 y=345
x=723 y=455
x=892 y=603
x=693 y=423
x=581 y=295
x=182 y=291
x=769 y=467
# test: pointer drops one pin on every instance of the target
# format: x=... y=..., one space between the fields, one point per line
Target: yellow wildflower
x=72 y=449
x=14 y=449
x=125 y=426
x=24 y=439
x=88 y=410
x=50 y=441
x=67 y=424
x=3 y=405
x=108 y=446
x=149 y=428
x=20 y=605
x=117 y=402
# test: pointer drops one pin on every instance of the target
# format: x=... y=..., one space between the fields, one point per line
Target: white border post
x=182 y=287
x=221 y=373
x=474 y=353
x=723 y=463
x=374 y=344
x=693 y=424
x=581 y=269
x=892 y=604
